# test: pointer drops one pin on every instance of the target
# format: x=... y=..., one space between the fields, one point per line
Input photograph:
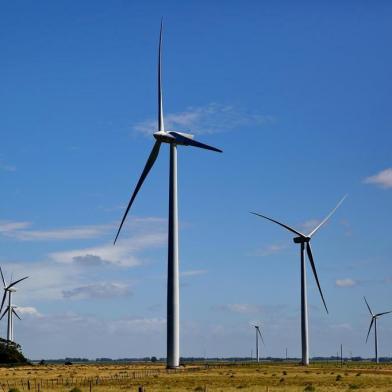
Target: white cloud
x=28 y=311
x=310 y=224
x=21 y=230
x=9 y=227
x=98 y=290
x=269 y=250
x=240 y=308
x=194 y=272
x=46 y=280
x=346 y=282
x=6 y=167
x=74 y=271
x=382 y=179
x=18 y=230
x=212 y=118
x=123 y=254
x=342 y=326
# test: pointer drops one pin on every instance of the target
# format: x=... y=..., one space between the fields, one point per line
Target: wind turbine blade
x=5 y=312
x=368 y=306
x=16 y=314
x=370 y=327
x=281 y=224
x=2 y=277
x=16 y=281
x=310 y=255
x=2 y=302
x=150 y=162
x=327 y=217
x=261 y=336
x=187 y=141
x=381 y=314
x=161 y=126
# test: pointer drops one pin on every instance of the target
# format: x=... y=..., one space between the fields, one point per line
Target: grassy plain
x=271 y=377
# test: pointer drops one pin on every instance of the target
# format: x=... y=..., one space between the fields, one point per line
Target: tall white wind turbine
x=374 y=321
x=304 y=240
x=10 y=309
x=174 y=139
x=258 y=333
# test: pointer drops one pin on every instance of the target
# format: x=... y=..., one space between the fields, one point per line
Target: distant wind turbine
x=258 y=333
x=304 y=240
x=374 y=321
x=10 y=309
x=173 y=139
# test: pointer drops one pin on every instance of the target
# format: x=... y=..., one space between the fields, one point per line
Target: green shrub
x=309 y=388
x=353 y=386
x=13 y=390
x=338 y=377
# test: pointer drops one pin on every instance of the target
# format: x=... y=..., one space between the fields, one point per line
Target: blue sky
x=297 y=96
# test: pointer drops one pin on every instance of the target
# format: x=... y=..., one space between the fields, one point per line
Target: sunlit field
x=216 y=377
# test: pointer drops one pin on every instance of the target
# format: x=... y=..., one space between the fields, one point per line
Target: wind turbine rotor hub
x=173 y=137
x=164 y=137
x=301 y=240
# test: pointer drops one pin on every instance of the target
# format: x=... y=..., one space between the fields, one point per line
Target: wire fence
x=40 y=384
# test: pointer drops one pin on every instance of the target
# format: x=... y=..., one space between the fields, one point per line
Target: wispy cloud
x=382 y=179
x=212 y=118
x=342 y=326
x=346 y=282
x=269 y=250
x=28 y=311
x=124 y=254
x=6 y=167
x=309 y=225
x=9 y=227
x=98 y=290
x=239 y=308
x=21 y=231
x=194 y=272
x=63 y=271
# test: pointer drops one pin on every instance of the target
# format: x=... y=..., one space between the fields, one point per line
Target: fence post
x=91 y=387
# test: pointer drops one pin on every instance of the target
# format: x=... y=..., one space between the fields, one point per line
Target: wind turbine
x=304 y=240
x=10 y=309
x=374 y=320
x=258 y=333
x=174 y=139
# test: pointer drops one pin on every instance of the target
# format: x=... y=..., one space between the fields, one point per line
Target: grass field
x=226 y=378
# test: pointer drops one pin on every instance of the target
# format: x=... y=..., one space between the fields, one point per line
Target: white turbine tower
x=304 y=240
x=374 y=321
x=10 y=309
x=258 y=333
x=174 y=139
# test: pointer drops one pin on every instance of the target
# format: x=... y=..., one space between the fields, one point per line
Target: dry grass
x=270 y=377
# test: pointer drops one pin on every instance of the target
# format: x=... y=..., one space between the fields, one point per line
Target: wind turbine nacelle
x=169 y=137
x=164 y=137
x=301 y=240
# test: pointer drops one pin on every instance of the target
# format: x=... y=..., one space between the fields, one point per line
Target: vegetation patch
x=11 y=353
